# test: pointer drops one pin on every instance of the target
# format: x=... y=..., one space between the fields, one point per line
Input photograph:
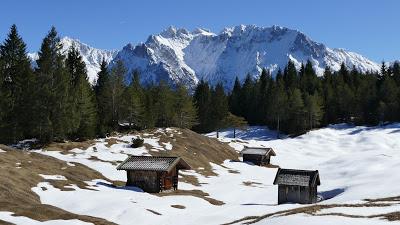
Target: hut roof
x=153 y=163
x=297 y=177
x=258 y=151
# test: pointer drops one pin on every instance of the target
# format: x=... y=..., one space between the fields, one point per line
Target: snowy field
x=355 y=163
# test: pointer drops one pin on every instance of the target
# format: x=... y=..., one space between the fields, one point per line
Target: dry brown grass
x=178 y=206
x=194 y=193
x=2 y=222
x=251 y=183
x=16 y=183
x=313 y=209
x=64 y=147
x=112 y=141
x=196 y=149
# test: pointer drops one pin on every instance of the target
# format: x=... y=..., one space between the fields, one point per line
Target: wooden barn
x=297 y=186
x=258 y=156
x=153 y=173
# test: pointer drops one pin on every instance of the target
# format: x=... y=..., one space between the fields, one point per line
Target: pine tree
x=150 y=114
x=329 y=97
x=133 y=110
x=185 y=114
x=309 y=82
x=82 y=105
x=15 y=89
x=396 y=72
x=236 y=122
x=202 y=101
x=219 y=107
x=51 y=105
x=290 y=76
x=247 y=96
x=389 y=93
x=116 y=89
x=278 y=105
x=313 y=108
x=263 y=96
x=102 y=91
x=296 y=111
x=235 y=103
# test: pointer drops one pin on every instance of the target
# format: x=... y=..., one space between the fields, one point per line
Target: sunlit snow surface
x=355 y=163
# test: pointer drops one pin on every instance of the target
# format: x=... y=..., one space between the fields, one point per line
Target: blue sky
x=369 y=27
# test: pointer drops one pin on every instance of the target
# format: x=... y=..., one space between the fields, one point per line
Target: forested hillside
x=54 y=101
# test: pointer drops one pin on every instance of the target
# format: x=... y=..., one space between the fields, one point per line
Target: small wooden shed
x=258 y=156
x=153 y=173
x=297 y=186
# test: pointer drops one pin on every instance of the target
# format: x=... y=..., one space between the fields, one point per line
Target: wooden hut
x=297 y=186
x=153 y=173
x=258 y=156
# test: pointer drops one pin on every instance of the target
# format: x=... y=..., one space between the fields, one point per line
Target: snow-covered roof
x=297 y=177
x=153 y=163
x=258 y=151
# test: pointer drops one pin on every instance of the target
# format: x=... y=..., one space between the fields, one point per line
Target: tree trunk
x=277 y=127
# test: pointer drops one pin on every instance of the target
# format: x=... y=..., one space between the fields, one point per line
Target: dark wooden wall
x=256 y=159
x=148 y=181
x=153 y=182
x=297 y=194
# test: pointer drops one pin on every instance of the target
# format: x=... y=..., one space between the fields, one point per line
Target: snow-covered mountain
x=91 y=56
x=180 y=56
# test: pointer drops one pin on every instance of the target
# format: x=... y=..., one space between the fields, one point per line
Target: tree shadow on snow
x=128 y=188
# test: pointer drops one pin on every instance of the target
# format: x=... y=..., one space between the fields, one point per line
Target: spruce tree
x=264 y=96
x=296 y=122
x=82 y=99
x=133 y=110
x=219 y=107
x=52 y=83
x=247 y=96
x=235 y=103
x=103 y=98
x=277 y=109
x=185 y=111
x=313 y=108
x=202 y=101
x=163 y=105
x=116 y=89
x=15 y=89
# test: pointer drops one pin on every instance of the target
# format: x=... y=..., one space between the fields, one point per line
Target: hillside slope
x=80 y=181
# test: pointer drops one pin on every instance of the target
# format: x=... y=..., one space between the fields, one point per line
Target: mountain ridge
x=179 y=56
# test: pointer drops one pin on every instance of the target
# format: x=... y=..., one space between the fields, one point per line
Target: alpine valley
x=178 y=56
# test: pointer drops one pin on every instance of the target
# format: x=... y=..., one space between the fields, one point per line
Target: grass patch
x=15 y=184
x=194 y=193
x=178 y=206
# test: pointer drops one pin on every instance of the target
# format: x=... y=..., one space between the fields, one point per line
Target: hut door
x=168 y=182
x=293 y=194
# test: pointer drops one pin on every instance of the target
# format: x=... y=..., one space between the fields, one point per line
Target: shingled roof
x=258 y=151
x=153 y=163
x=297 y=177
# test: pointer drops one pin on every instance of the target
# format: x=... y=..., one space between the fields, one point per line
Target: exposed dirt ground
x=19 y=173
